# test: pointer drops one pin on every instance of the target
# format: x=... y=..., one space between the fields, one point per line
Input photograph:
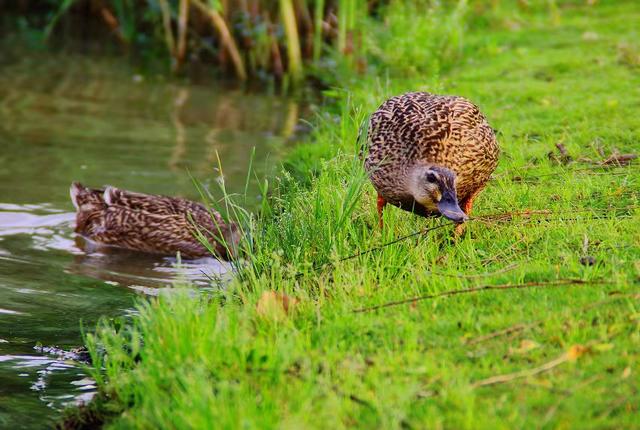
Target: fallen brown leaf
x=576 y=351
x=626 y=372
x=275 y=305
x=525 y=346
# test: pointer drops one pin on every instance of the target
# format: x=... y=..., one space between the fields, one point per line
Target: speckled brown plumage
x=419 y=127
x=149 y=223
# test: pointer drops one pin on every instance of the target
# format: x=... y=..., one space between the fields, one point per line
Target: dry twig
x=476 y=275
x=524 y=326
x=618 y=160
x=534 y=284
x=513 y=329
x=573 y=352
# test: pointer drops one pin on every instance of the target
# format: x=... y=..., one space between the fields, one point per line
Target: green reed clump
x=248 y=38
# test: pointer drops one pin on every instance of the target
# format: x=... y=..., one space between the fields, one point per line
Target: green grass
x=229 y=360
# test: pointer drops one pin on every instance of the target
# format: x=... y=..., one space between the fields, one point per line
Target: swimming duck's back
x=149 y=223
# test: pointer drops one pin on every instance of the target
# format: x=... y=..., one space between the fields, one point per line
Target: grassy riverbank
x=562 y=350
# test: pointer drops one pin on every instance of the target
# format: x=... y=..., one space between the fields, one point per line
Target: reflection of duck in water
x=153 y=224
x=142 y=271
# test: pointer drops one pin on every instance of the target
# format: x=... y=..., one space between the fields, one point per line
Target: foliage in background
x=284 y=40
x=249 y=38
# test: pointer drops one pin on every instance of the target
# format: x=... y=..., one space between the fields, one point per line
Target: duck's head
x=434 y=187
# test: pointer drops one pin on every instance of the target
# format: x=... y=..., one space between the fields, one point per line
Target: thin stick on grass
x=500 y=218
x=509 y=330
x=526 y=373
x=618 y=160
x=534 y=284
x=599 y=166
x=376 y=248
x=525 y=326
x=393 y=242
x=528 y=213
x=549 y=219
x=613 y=298
x=534 y=179
x=476 y=275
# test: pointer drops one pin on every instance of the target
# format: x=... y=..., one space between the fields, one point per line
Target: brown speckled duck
x=430 y=154
x=149 y=223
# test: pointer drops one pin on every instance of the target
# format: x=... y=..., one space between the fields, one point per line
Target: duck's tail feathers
x=109 y=195
x=84 y=198
x=75 y=191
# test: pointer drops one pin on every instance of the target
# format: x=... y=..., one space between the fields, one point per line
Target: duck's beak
x=450 y=209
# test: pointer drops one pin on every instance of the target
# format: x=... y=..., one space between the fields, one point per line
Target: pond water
x=66 y=118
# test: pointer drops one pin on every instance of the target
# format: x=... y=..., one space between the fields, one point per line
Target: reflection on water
x=95 y=121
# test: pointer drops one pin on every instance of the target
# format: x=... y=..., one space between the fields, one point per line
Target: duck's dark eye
x=432 y=178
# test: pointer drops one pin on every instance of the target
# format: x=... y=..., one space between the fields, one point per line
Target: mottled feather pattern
x=419 y=127
x=150 y=223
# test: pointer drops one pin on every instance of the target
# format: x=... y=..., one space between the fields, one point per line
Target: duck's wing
x=406 y=128
x=471 y=148
x=164 y=205
x=164 y=234
x=155 y=204
x=150 y=223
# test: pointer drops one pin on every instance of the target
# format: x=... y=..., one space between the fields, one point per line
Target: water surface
x=66 y=118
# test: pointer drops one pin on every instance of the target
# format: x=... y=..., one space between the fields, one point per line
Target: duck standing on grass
x=149 y=223
x=430 y=155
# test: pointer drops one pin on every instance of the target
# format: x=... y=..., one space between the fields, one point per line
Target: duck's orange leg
x=381 y=204
x=466 y=206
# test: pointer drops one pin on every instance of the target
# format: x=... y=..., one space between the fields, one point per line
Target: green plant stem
x=294 y=55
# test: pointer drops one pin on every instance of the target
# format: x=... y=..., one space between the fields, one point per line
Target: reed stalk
x=293 y=41
x=166 y=24
x=183 y=21
x=342 y=25
x=318 y=15
x=227 y=39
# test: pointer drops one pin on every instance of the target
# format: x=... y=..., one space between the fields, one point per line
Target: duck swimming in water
x=149 y=223
x=430 y=154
